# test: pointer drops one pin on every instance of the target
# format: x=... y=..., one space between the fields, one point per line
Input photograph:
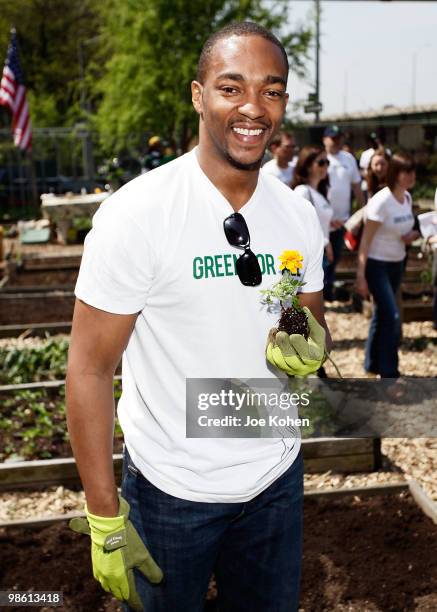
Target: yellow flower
x=292 y=260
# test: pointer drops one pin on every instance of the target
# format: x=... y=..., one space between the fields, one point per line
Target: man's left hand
x=295 y=355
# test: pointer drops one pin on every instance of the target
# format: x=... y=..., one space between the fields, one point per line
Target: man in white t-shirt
x=161 y=284
x=344 y=178
x=282 y=165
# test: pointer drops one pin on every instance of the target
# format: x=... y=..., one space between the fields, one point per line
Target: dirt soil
x=369 y=555
x=360 y=555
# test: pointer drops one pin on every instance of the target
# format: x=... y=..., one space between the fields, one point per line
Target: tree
x=49 y=34
x=153 y=47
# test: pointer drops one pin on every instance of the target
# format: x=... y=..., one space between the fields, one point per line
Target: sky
x=368 y=53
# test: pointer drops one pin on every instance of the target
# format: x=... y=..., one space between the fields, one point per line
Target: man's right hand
x=116 y=548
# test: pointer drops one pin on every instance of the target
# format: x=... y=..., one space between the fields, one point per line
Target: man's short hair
x=239 y=28
x=277 y=139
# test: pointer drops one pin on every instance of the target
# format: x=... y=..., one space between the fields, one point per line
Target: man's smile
x=249 y=135
x=247 y=132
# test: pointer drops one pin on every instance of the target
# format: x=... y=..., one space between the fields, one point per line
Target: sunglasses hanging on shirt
x=247 y=265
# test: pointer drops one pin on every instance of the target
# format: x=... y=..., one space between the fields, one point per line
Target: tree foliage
x=153 y=47
x=49 y=34
x=137 y=56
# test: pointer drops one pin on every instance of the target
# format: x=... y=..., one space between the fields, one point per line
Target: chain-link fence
x=61 y=161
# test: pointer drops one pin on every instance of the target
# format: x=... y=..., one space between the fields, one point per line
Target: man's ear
x=196 y=96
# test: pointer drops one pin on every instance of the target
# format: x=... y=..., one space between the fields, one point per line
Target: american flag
x=13 y=95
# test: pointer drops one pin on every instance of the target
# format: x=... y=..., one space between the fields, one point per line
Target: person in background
x=343 y=176
x=377 y=172
x=374 y=143
x=169 y=154
x=432 y=241
x=388 y=229
x=310 y=180
x=154 y=156
x=348 y=146
x=282 y=165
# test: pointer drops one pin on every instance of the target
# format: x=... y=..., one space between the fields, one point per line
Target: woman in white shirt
x=377 y=172
x=311 y=181
x=388 y=229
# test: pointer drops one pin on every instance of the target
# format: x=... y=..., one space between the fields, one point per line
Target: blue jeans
x=383 y=279
x=254 y=548
x=337 y=242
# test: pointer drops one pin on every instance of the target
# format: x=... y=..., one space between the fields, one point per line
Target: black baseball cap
x=333 y=131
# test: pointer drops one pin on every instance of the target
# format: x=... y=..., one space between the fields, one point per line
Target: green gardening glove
x=295 y=355
x=116 y=548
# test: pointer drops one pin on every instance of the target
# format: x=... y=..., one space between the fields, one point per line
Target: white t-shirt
x=323 y=207
x=157 y=247
x=365 y=158
x=397 y=219
x=283 y=174
x=343 y=173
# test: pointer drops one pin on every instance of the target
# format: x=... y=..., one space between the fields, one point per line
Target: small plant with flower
x=293 y=319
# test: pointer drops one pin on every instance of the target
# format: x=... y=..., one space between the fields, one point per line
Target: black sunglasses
x=323 y=162
x=237 y=234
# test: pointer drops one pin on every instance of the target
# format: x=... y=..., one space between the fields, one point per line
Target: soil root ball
x=294 y=321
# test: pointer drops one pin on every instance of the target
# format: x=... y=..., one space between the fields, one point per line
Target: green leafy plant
x=30 y=364
x=82 y=223
x=285 y=290
x=293 y=318
x=33 y=425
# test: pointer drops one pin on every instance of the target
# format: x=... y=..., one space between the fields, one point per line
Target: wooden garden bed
x=360 y=554
x=320 y=455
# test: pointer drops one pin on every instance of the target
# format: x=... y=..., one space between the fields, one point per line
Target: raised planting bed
x=375 y=554
x=341 y=455
x=321 y=455
x=35 y=329
x=42 y=264
x=33 y=422
x=416 y=287
x=416 y=310
x=49 y=306
x=47 y=269
x=369 y=555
